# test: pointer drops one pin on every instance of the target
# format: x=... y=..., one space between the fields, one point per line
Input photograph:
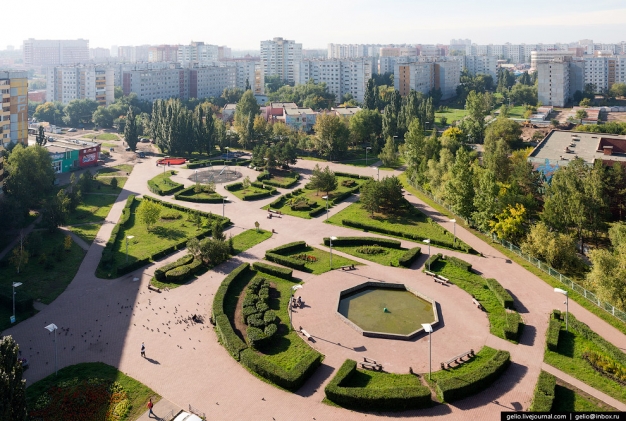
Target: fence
x=197 y=412
x=541 y=265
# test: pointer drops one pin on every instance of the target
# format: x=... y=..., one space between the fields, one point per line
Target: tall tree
x=371 y=94
x=130 y=130
x=486 y=200
x=496 y=158
x=608 y=270
x=332 y=135
x=149 y=212
x=41 y=137
x=370 y=196
x=30 y=175
x=389 y=154
x=478 y=106
x=460 y=186
x=12 y=386
x=56 y=211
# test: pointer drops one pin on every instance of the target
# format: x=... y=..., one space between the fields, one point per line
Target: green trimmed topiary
x=544 y=393
x=501 y=294
x=459 y=263
x=277 y=271
x=409 y=257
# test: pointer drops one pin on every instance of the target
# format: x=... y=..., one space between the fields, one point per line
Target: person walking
x=143 y=350
x=150 y=405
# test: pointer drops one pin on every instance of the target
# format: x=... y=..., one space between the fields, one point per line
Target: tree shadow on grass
x=314 y=382
x=168 y=233
x=566 y=343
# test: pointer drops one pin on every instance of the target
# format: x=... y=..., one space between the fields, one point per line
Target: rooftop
x=346 y=111
x=299 y=111
x=283 y=105
x=73 y=144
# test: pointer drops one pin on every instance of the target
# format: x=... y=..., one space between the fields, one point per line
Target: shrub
x=159 y=274
x=374 y=399
x=277 y=271
x=248 y=311
x=178 y=274
x=501 y=294
x=373 y=249
x=220 y=294
x=188 y=195
x=292 y=379
x=512 y=328
x=288 y=248
x=257 y=196
x=269 y=317
x=544 y=393
x=317 y=211
x=464 y=385
x=431 y=260
x=552 y=335
x=607 y=348
x=234 y=186
x=459 y=263
x=409 y=257
x=364 y=241
x=285 y=261
x=231 y=341
x=255 y=320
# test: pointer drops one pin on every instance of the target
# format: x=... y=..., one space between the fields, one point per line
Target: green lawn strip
x=580 y=299
x=393 y=168
x=279 y=178
x=379 y=380
x=312 y=158
x=517 y=111
x=138 y=393
x=121 y=170
x=87 y=232
x=249 y=239
x=45 y=281
x=414 y=223
x=244 y=192
x=479 y=359
x=389 y=258
x=451 y=114
x=569 y=359
x=102 y=136
x=162 y=185
x=103 y=185
x=322 y=264
x=93 y=208
x=475 y=285
x=569 y=399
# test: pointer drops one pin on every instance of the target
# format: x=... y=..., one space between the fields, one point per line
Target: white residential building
x=342 y=76
x=388 y=64
x=198 y=53
x=558 y=79
x=279 y=56
x=426 y=75
x=249 y=71
x=476 y=65
x=548 y=55
x=133 y=54
x=120 y=68
x=55 y=52
x=67 y=83
x=210 y=81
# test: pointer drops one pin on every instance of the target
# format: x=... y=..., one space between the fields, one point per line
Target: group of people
x=297 y=302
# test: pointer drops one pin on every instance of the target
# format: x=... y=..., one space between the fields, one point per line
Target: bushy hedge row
x=343 y=196
x=292 y=379
x=265 y=177
x=261 y=321
x=459 y=387
x=317 y=211
x=544 y=393
x=177 y=274
x=501 y=294
x=188 y=193
x=513 y=324
x=350 y=175
x=129 y=267
x=364 y=241
x=608 y=348
x=455 y=261
x=211 y=216
x=159 y=274
x=285 y=260
x=288 y=248
x=432 y=259
x=260 y=185
x=234 y=186
x=220 y=294
x=257 y=196
x=164 y=190
x=374 y=399
x=409 y=257
x=276 y=271
x=231 y=341
x=206 y=163
x=107 y=253
x=554 y=329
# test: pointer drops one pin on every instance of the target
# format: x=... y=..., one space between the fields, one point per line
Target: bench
x=477 y=304
x=275 y=212
x=348 y=267
x=458 y=359
x=440 y=281
x=305 y=333
x=155 y=289
x=430 y=273
x=442 y=278
x=371 y=366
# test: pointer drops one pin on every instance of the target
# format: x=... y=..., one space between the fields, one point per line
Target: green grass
x=517 y=111
x=480 y=358
x=39 y=281
x=475 y=285
x=380 y=380
x=138 y=393
x=201 y=195
x=401 y=162
x=584 y=302
x=87 y=232
x=362 y=162
x=452 y=114
x=568 y=358
x=116 y=171
x=101 y=136
x=249 y=239
x=108 y=145
x=415 y=223
x=567 y=399
x=244 y=192
x=389 y=258
x=103 y=185
x=94 y=208
x=163 y=181
x=322 y=264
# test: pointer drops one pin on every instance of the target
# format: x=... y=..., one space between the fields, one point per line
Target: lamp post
x=15 y=285
x=427 y=241
x=378 y=172
x=227 y=151
x=128 y=237
x=366 y=150
x=562 y=291
x=428 y=328
x=224 y=199
x=330 y=244
x=454 y=229
x=53 y=328
x=326 y=197
x=196 y=176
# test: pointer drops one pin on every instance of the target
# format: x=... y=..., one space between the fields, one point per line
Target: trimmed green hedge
x=454 y=388
x=554 y=329
x=544 y=393
x=501 y=294
x=264 y=177
x=188 y=193
x=432 y=259
x=317 y=211
x=409 y=257
x=178 y=274
x=513 y=323
x=257 y=196
x=207 y=163
x=234 y=186
x=227 y=336
x=276 y=271
x=292 y=379
x=164 y=191
x=583 y=330
x=159 y=274
x=220 y=294
x=107 y=254
x=288 y=248
x=459 y=263
x=364 y=241
x=285 y=260
x=374 y=399
x=350 y=175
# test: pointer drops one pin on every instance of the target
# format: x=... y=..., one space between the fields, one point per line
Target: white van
x=186 y=416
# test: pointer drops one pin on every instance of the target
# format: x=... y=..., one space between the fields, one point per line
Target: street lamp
x=224 y=199
x=330 y=244
x=366 y=150
x=128 y=237
x=53 y=328
x=427 y=241
x=15 y=285
x=562 y=291
x=454 y=229
x=428 y=328
x=378 y=170
x=196 y=176
x=227 y=151
x=326 y=197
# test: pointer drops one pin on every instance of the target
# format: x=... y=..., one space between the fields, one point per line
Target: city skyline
x=363 y=22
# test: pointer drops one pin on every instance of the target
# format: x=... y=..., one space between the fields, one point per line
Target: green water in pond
x=405 y=311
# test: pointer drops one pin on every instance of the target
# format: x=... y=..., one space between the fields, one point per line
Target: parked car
x=127 y=149
x=71 y=130
x=186 y=416
x=144 y=140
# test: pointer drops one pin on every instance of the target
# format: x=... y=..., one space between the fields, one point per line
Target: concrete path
x=109 y=319
x=162 y=409
x=81 y=243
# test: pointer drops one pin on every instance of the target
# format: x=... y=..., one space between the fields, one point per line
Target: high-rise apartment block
x=67 y=83
x=99 y=54
x=279 y=56
x=198 y=53
x=476 y=65
x=133 y=54
x=248 y=73
x=423 y=76
x=14 y=111
x=158 y=53
x=55 y=52
x=342 y=76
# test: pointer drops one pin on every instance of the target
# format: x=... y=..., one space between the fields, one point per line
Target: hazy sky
x=242 y=24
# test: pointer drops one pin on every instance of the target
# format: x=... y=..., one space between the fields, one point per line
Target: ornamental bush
x=159 y=273
x=277 y=271
x=409 y=257
x=501 y=294
x=431 y=260
x=364 y=241
x=285 y=261
x=459 y=263
x=292 y=379
x=544 y=393
x=178 y=274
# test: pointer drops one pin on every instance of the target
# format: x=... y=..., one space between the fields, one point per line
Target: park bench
x=458 y=359
x=305 y=333
x=430 y=273
x=442 y=278
x=348 y=267
x=371 y=366
x=275 y=212
x=440 y=281
x=151 y=288
x=477 y=304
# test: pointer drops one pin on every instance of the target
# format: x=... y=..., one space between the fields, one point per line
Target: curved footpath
x=107 y=320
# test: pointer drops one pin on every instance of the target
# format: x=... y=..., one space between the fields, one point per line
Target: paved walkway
x=162 y=409
x=108 y=320
x=82 y=243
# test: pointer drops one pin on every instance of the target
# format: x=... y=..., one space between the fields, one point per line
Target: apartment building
x=198 y=53
x=279 y=56
x=208 y=81
x=558 y=79
x=67 y=83
x=55 y=52
x=548 y=55
x=477 y=65
x=248 y=71
x=388 y=64
x=14 y=111
x=342 y=76
x=120 y=68
x=447 y=76
x=168 y=53
x=426 y=74
x=133 y=54
x=99 y=54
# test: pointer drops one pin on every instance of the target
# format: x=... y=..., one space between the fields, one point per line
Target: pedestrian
x=150 y=405
x=143 y=350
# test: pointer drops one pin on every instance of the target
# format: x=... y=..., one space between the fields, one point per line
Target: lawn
x=47 y=275
x=452 y=114
x=388 y=258
x=103 y=185
x=401 y=162
x=72 y=394
x=475 y=285
x=569 y=399
x=480 y=358
x=116 y=171
x=413 y=222
x=569 y=359
x=312 y=198
x=380 y=380
x=87 y=232
x=244 y=192
x=190 y=195
x=93 y=208
x=362 y=162
x=517 y=111
x=322 y=260
x=249 y=239
x=102 y=136
x=163 y=184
